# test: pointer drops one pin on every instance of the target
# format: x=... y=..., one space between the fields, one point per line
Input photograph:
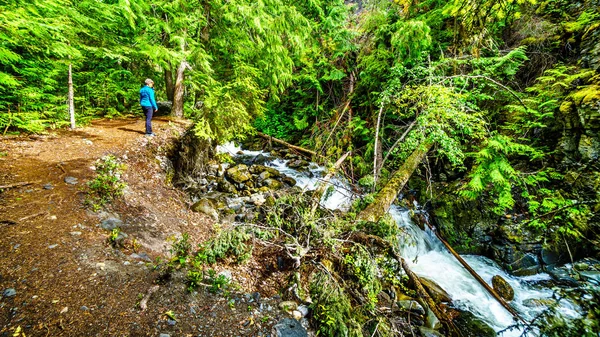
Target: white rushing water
x=428 y=257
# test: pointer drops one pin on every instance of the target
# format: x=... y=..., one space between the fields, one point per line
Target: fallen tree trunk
x=387 y=195
x=476 y=276
x=414 y=279
x=279 y=141
x=323 y=184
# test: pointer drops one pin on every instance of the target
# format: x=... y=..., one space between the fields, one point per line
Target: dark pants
x=148 y=110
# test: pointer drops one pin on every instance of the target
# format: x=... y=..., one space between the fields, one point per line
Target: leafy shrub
x=107 y=185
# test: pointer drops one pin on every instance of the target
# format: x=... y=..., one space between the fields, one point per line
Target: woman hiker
x=148 y=103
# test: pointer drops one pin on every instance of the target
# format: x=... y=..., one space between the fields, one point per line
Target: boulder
x=111 y=223
x=527 y=265
x=288 y=327
x=563 y=276
x=432 y=322
x=503 y=288
x=206 y=206
x=538 y=302
x=435 y=291
x=297 y=164
x=225 y=186
x=272 y=184
x=164 y=108
x=239 y=173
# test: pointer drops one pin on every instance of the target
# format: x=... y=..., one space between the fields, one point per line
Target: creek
x=428 y=257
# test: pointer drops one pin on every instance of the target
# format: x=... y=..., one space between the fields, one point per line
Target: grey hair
x=148 y=81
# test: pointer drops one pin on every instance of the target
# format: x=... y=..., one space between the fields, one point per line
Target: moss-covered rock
x=503 y=288
x=239 y=173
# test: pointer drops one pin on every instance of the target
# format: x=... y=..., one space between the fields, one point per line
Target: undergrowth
x=340 y=278
x=107 y=185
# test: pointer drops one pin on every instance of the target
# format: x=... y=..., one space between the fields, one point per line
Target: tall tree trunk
x=387 y=195
x=169 y=87
x=70 y=98
x=377 y=157
x=178 y=91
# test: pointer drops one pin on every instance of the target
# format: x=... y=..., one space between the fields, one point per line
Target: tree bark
x=377 y=151
x=169 y=86
x=70 y=98
x=179 y=90
x=387 y=195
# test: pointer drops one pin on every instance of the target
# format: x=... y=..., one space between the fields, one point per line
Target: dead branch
x=32 y=216
x=279 y=141
x=144 y=301
x=9 y=186
x=323 y=184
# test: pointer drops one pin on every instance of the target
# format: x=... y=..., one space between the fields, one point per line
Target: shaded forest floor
x=54 y=254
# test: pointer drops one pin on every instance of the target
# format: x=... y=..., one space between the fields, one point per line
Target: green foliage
x=181 y=248
x=107 y=184
x=362 y=266
x=226 y=243
x=332 y=308
x=494 y=173
x=113 y=236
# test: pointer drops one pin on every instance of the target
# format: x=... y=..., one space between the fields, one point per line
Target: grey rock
x=272 y=184
x=288 y=327
x=48 y=186
x=303 y=309
x=71 y=180
x=53 y=246
x=17 y=246
x=432 y=322
x=164 y=108
x=425 y=332
x=206 y=206
x=84 y=308
x=9 y=292
x=225 y=186
x=227 y=274
x=164 y=335
x=141 y=256
x=563 y=277
x=411 y=305
x=75 y=233
x=256 y=296
x=171 y=322
x=111 y=223
x=592 y=276
x=525 y=266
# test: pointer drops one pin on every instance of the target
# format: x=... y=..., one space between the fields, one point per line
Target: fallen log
x=323 y=184
x=279 y=141
x=476 y=276
x=414 y=279
x=387 y=195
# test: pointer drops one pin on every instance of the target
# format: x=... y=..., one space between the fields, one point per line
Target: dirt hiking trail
x=58 y=275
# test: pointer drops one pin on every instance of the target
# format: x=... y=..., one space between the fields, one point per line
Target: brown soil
x=68 y=280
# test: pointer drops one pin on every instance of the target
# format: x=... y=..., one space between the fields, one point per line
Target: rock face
x=503 y=288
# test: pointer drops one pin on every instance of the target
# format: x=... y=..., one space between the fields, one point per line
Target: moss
x=586 y=95
x=565 y=107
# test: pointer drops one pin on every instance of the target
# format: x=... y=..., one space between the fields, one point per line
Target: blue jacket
x=147 y=97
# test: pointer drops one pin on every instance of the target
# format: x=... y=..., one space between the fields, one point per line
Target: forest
x=486 y=113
